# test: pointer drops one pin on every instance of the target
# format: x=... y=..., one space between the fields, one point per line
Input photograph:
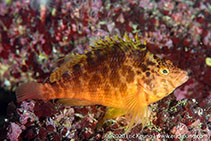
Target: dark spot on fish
x=147 y=74
x=123 y=88
x=61 y=84
x=118 y=49
x=66 y=77
x=130 y=76
x=124 y=70
x=147 y=97
x=104 y=71
x=115 y=79
x=155 y=57
x=153 y=77
x=56 y=87
x=138 y=72
x=95 y=81
x=116 y=61
x=77 y=86
x=150 y=63
x=147 y=81
x=138 y=57
x=89 y=58
x=97 y=52
x=92 y=63
x=55 y=84
x=85 y=76
x=100 y=55
x=129 y=69
x=77 y=69
x=144 y=67
x=66 y=86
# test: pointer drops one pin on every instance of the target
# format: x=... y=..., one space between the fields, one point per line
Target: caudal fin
x=30 y=90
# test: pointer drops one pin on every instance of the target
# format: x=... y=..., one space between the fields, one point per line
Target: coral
x=32 y=40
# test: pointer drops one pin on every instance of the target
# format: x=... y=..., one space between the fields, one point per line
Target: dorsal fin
x=126 y=45
x=108 y=45
x=63 y=58
x=74 y=59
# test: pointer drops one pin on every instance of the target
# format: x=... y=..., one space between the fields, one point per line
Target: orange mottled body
x=117 y=73
x=103 y=80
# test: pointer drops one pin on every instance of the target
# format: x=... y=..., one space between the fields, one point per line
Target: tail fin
x=30 y=90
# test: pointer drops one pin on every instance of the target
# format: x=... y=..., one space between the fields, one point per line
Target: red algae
x=30 y=44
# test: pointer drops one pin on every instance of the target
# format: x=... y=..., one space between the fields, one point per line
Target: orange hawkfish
x=119 y=73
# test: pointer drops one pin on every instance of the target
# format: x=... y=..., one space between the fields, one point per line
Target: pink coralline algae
x=185 y=91
x=36 y=34
x=15 y=132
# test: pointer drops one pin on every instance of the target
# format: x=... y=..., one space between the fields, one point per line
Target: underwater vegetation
x=34 y=35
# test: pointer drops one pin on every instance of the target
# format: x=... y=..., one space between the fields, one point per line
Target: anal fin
x=74 y=102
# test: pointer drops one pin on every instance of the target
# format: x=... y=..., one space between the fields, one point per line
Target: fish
x=120 y=73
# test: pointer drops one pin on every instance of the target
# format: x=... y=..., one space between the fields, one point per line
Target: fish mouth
x=183 y=77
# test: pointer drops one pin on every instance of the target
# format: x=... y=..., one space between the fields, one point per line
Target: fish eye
x=164 y=71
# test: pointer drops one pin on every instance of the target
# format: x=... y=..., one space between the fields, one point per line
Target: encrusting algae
x=119 y=73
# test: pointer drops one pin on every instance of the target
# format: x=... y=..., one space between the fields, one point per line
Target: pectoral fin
x=136 y=108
